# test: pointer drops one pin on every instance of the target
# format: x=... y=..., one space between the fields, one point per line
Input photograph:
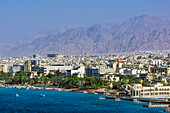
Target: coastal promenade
x=91 y=91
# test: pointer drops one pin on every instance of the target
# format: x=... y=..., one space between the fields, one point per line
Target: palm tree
x=31 y=81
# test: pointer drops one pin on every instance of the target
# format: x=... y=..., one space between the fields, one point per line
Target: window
x=133 y=93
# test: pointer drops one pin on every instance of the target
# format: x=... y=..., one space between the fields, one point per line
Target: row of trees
x=21 y=77
x=74 y=82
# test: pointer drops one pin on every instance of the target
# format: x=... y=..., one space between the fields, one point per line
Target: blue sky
x=22 y=18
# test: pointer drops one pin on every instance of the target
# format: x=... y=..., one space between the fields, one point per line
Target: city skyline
x=72 y=56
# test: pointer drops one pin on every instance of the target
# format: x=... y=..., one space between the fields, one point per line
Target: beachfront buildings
x=152 y=91
x=78 y=72
x=146 y=66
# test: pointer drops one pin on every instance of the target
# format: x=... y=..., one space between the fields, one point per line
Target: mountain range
x=142 y=33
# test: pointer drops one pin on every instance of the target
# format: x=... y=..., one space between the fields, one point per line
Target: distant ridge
x=136 y=34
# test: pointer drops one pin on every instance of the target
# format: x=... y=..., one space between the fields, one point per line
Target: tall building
x=4 y=68
x=27 y=66
x=30 y=64
x=93 y=72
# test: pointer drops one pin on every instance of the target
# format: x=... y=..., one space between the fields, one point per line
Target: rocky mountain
x=136 y=34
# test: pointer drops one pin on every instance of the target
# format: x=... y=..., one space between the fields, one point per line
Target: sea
x=29 y=101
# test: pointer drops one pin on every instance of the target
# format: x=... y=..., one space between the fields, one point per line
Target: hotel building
x=153 y=91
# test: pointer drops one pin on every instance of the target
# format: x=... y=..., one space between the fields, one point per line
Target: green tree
x=21 y=77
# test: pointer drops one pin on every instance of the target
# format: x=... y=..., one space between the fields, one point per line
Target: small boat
x=42 y=95
x=60 y=90
x=47 y=88
x=135 y=100
x=117 y=99
x=17 y=95
x=27 y=88
x=19 y=87
x=85 y=92
x=6 y=87
x=95 y=93
x=101 y=98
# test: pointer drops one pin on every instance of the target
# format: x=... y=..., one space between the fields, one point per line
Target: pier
x=159 y=105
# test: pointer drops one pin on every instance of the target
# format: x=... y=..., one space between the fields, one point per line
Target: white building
x=156 y=62
x=4 y=68
x=52 y=69
x=16 y=68
x=153 y=91
x=80 y=72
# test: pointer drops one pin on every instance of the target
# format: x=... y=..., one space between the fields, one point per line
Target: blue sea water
x=29 y=101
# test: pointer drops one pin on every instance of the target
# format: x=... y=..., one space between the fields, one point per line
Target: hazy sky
x=22 y=18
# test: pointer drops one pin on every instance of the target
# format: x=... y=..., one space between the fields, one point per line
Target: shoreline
x=116 y=98
x=89 y=91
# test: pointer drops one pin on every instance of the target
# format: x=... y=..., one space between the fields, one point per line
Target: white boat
x=47 y=88
x=27 y=88
x=19 y=87
x=117 y=99
x=95 y=93
x=60 y=90
x=42 y=95
x=135 y=100
x=85 y=92
x=101 y=98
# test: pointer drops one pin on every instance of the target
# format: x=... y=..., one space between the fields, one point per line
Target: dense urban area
x=125 y=73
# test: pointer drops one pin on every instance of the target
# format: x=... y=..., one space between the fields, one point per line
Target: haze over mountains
x=136 y=34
